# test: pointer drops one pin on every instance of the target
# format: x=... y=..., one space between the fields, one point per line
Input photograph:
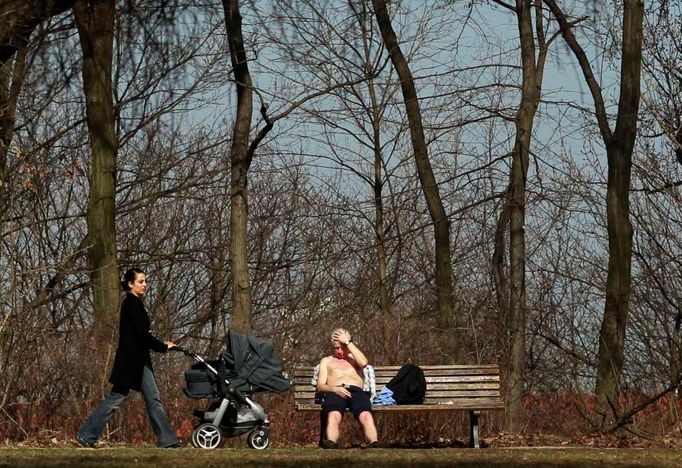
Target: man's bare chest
x=342 y=367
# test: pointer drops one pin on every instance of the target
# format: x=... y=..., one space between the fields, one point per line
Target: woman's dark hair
x=129 y=276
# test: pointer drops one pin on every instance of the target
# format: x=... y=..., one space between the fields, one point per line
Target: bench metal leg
x=323 y=427
x=473 y=430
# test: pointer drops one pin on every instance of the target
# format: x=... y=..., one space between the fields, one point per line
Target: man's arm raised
x=358 y=356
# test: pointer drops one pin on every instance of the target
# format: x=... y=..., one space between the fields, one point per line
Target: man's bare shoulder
x=325 y=361
x=353 y=362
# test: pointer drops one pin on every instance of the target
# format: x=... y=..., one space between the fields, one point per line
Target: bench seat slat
x=429 y=394
x=389 y=374
x=429 y=379
x=456 y=406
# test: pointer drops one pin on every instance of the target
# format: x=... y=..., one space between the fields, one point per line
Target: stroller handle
x=184 y=351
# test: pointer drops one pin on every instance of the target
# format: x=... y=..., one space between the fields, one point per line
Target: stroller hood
x=254 y=361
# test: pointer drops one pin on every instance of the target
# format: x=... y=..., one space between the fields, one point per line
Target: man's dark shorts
x=357 y=403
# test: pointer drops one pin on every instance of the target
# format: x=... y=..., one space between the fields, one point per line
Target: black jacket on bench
x=409 y=385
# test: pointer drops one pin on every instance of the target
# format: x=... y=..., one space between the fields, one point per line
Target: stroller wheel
x=258 y=439
x=207 y=436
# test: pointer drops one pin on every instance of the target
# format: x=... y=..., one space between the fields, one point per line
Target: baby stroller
x=248 y=365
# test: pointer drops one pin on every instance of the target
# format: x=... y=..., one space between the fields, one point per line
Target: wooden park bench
x=448 y=388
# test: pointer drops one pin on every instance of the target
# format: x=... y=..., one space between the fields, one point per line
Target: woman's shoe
x=84 y=443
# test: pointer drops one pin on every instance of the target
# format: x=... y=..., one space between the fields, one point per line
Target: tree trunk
x=12 y=73
x=619 y=146
x=511 y=289
x=446 y=319
x=501 y=281
x=676 y=350
x=240 y=160
x=530 y=97
x=619 y=154
x=377 y=185
x=95 y=22
x=374 y=113
x=18 y=18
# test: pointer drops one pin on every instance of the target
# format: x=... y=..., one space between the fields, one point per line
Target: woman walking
x=133 y=368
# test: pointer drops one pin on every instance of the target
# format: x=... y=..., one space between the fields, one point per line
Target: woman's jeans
x=165 y=436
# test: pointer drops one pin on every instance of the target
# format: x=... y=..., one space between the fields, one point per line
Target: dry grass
x=526 y=457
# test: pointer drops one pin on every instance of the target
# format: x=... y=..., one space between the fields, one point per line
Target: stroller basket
x=200 y=382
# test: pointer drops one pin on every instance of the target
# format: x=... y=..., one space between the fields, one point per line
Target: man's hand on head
x=343 y=337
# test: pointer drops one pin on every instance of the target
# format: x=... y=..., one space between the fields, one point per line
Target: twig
x=626 y=418
x=15 y=422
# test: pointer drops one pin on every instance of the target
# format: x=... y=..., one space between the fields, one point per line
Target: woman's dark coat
x=134 y=343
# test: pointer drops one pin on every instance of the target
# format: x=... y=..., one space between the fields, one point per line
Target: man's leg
x=94 y=426
x=333 y=422
x=165 y=436
x=368 y=427
x=333 y=408
x=362 y=410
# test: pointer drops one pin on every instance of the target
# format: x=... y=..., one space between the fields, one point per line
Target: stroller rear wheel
x=207 y=436
x=258 y=439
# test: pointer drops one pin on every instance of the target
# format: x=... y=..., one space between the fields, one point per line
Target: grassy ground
x=188 y=457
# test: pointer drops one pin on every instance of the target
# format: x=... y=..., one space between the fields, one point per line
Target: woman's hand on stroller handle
x=182 y=350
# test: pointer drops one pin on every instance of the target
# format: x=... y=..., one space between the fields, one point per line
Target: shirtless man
x=341 y=380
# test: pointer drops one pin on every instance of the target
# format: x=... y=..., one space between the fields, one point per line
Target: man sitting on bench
x=341 y=381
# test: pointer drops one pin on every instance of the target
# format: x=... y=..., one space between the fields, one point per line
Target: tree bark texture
x=619 y=154
x=446 y=319
x=377 y=185
x=518 y=309
x=95 y=22
x=619 y=146
x=18 y=19
x=240 y=161
x=501 y=279
x=12 y=73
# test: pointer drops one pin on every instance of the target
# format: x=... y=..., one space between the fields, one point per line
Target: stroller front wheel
x=258 y=439
x=207 y=436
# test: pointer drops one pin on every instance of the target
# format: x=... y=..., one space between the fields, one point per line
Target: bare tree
x=18 y=20
x=514 y=211
x=447 y=320
x=619 y=143
x=240 y=160
x=95 y=21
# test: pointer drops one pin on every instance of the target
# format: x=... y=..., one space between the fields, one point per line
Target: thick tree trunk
x=515 y=210
x=517 y=213
x=612 y=333
x=619 y=154
x=18 y=18
x=619 y=146
x=95 y=21
x=446 y=319
x=676 y=351
x=12 y=74
x=240 y=160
